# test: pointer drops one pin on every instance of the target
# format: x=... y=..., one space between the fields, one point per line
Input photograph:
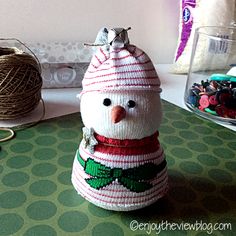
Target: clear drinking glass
x=211 y=84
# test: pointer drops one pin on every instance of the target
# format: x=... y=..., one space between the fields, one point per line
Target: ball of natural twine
x=20 y=83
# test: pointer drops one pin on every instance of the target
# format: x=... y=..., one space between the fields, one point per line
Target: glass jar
x=211 y=83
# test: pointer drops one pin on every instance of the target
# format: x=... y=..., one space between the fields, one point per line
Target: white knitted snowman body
x=120 y=164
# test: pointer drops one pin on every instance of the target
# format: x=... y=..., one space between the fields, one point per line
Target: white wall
x=154 y=22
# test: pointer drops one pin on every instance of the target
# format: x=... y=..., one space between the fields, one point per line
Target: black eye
x=131 y=103
x=107 y=102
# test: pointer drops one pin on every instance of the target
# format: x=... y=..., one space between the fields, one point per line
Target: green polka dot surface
x=37 y=197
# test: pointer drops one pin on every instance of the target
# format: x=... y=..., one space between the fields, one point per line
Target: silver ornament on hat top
x=115 y=37
x=118 y=37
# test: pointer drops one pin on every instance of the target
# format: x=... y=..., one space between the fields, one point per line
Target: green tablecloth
x=37 y=197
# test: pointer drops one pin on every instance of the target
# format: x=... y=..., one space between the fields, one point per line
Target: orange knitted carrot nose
x=117 y=114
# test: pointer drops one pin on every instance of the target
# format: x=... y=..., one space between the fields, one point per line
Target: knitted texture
x=120 y=164
x=114 y=195
x=127 y=68
x=140 y=121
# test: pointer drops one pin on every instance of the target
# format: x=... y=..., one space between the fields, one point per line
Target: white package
x=196 y=13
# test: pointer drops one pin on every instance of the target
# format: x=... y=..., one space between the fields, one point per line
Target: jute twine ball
x=20 y=83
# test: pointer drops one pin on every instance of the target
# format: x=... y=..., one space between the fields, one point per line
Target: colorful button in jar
x=212 y=74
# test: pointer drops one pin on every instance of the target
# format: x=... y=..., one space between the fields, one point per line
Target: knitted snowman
x=120 y=164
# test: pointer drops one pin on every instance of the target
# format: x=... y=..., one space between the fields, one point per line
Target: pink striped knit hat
x=120 y=66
